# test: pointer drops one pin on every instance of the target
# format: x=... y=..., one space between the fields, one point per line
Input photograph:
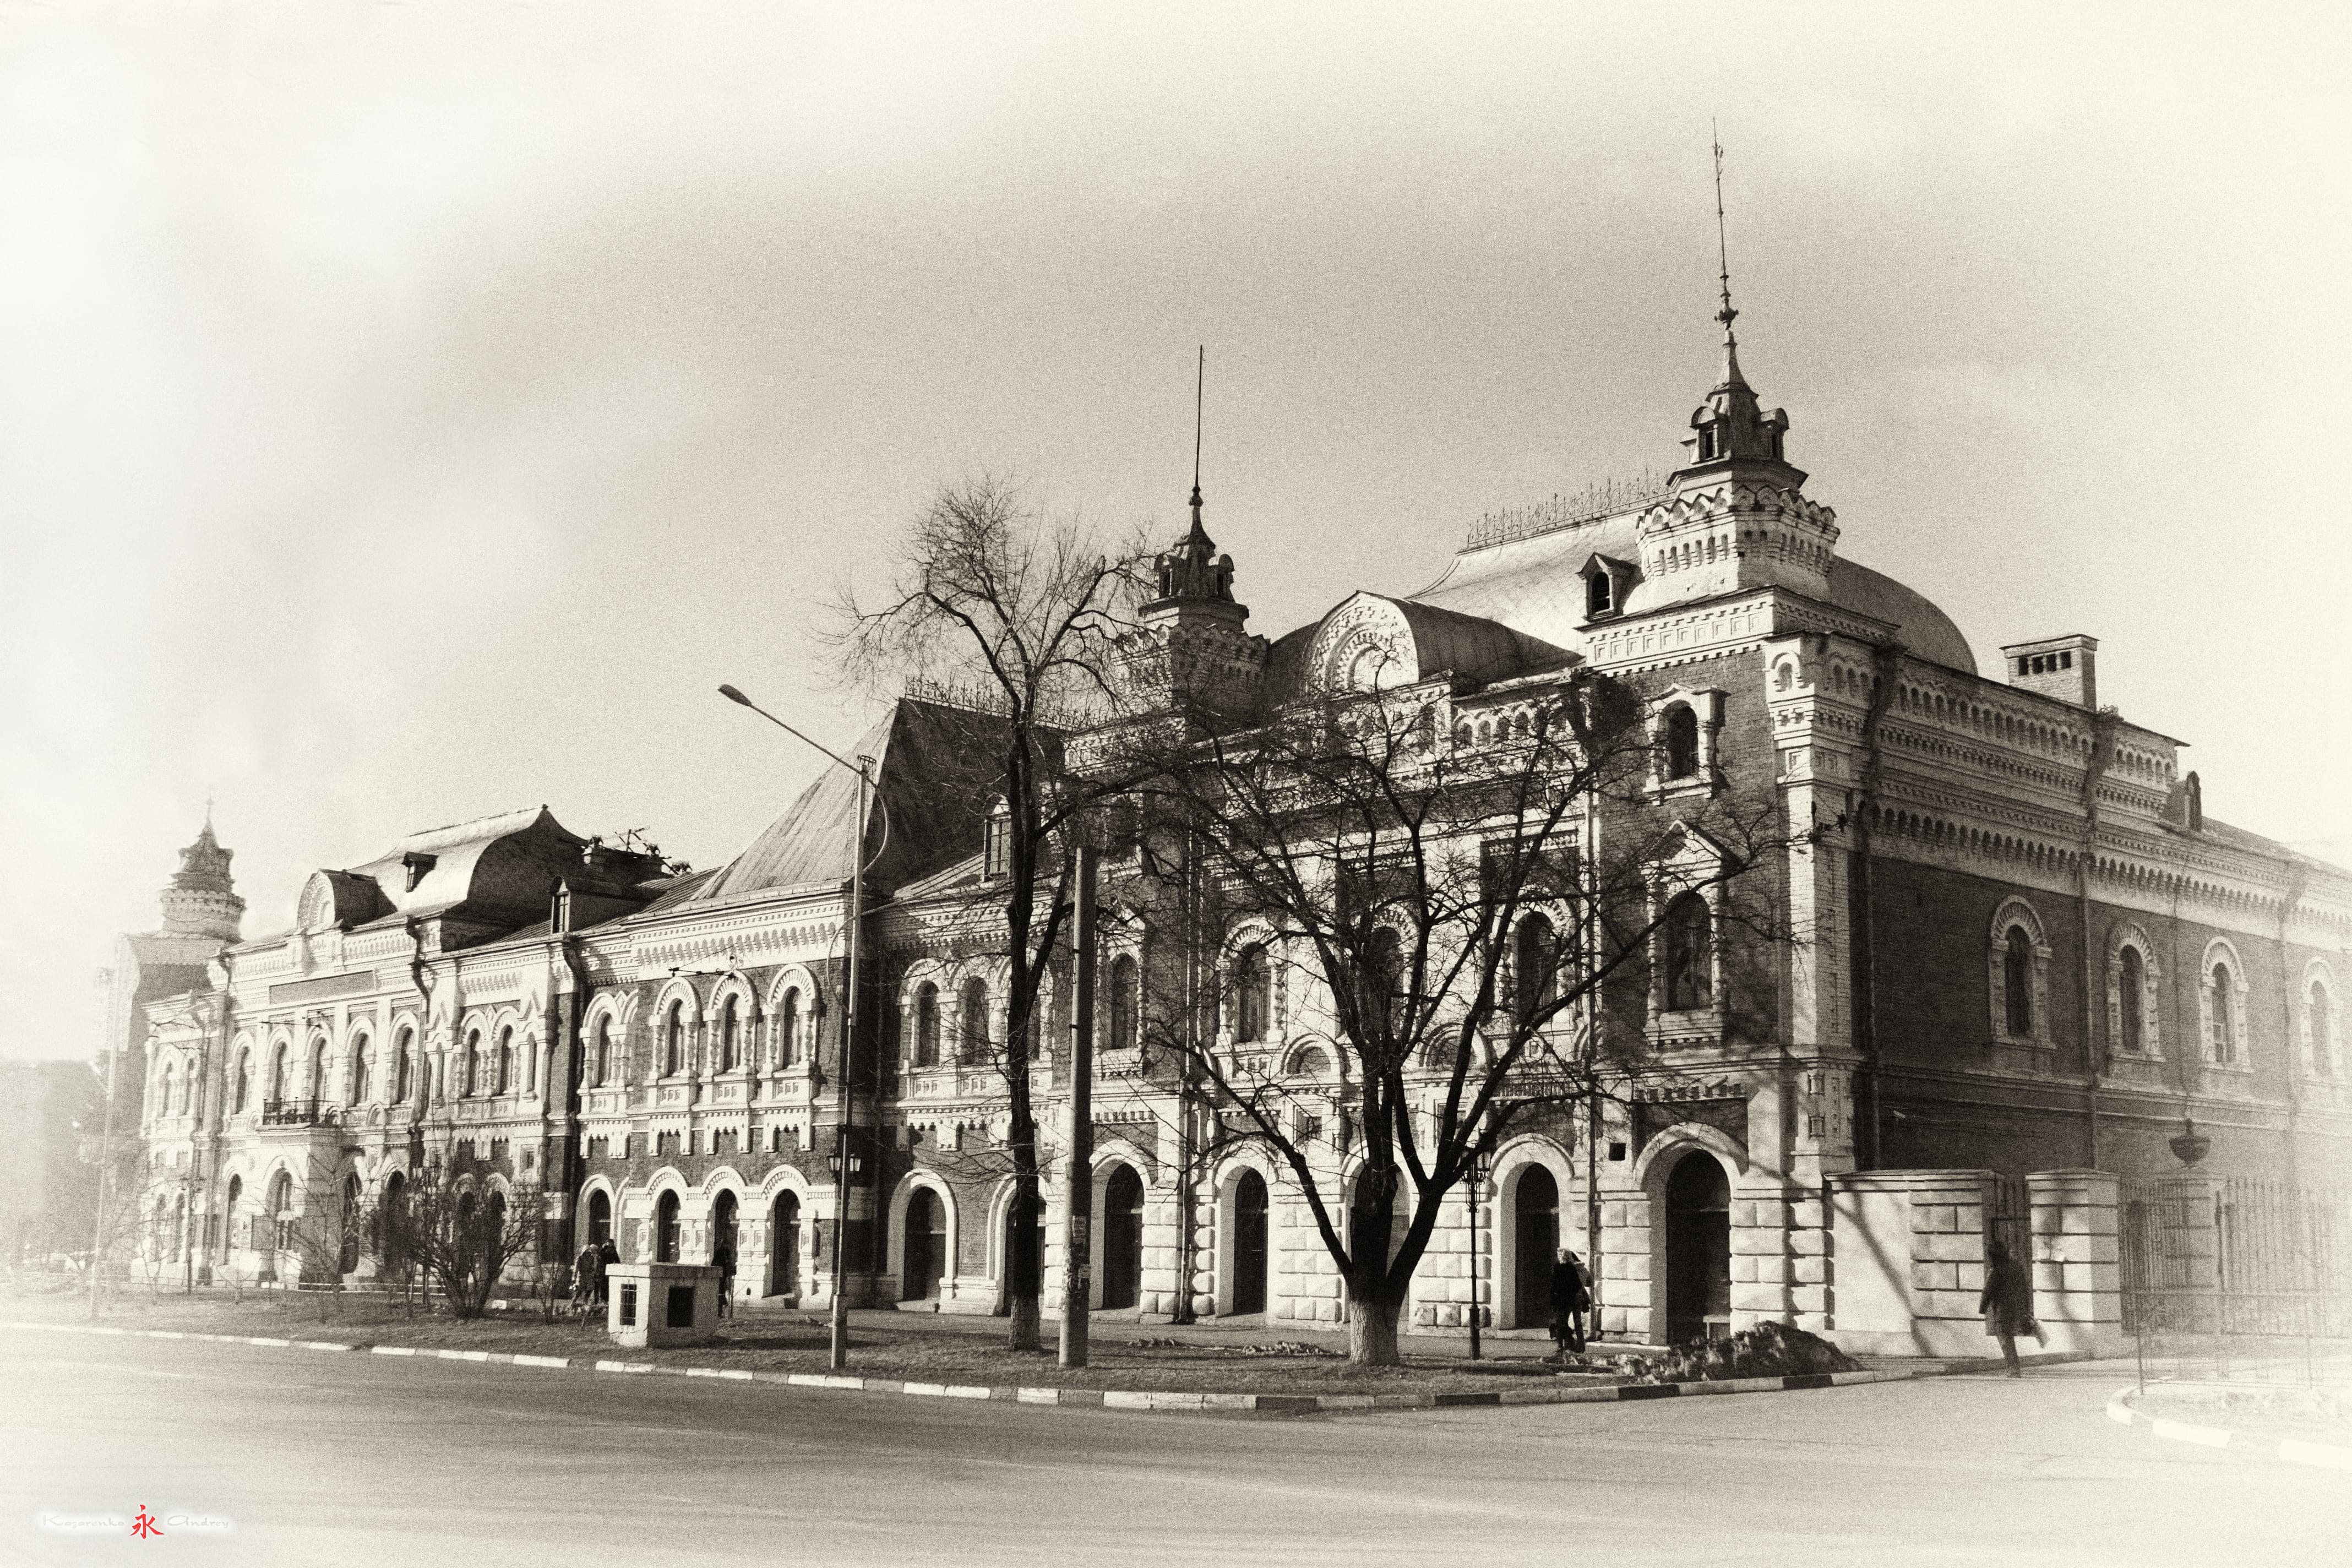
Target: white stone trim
x=2016 y=911
x=2317 y=973
x=2212 y=1030
x=2130 y=935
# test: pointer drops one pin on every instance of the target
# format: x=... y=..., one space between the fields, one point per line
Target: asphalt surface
x=314 y=1458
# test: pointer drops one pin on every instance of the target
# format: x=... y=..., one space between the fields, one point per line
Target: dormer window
x=996 y=841
x=416 y=865
x=1599 y=595
x=1607 y=580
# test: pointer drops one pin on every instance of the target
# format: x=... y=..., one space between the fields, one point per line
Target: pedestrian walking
x=584 y=1270
x=1572 y=1294
x=2007 y=1303
x=607 y=1255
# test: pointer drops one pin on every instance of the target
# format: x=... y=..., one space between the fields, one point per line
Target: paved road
x=320 y=1458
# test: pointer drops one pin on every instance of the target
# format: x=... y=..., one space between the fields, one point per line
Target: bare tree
x=1020 y=616
x=1455 y=951
x=460 y=1238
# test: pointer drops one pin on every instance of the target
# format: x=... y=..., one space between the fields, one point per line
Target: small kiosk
x=661 y=1303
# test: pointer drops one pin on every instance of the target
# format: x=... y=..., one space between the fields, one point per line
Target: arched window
x=244 y=1077
x=2220 y=1013
x=472 y=1078
x=927 y=1025
x=318 y=1070
x=1682 y=742
x=728 y=1027
x=600 y=1064
x=674 y=1040
x=1690 y=955
x=277 y=1066
x=2017 y=981
x=2320 y=1014
x=788 y=1028
x=282 y=1211
x=506 y=1060
x=1598 y=594
x=1120 y=1024
x=403 y=1067
x=2132 y=1002
x=359 y=1071
x=666 y=1230
x=996 y=841
x=1252 y=994
x=1535 y=965
x=975 y=1020
x=164 y=1091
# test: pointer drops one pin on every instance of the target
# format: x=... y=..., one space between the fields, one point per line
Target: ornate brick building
x=2016 y=944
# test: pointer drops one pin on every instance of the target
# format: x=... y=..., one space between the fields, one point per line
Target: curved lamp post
x=844 y=1161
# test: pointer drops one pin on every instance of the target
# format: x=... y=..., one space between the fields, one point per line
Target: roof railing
x=1606 y=498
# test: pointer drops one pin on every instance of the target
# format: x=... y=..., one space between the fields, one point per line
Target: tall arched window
x=1682 y=742
x=666 y=1230
x=1535 y=965
x=282 y=1211
x=243 y=1080
x=2017 y=981
x=318 y=1070
x=927 y=1025
x=1253 y=993
x=360 y=1066
x=674 y=1040
x=728 y=1025
x=2220 y=1010
x=1690 y=955
x=470 y=1081
x=278 y=1064
x=1384 y=978
x=403 y=1081
x=2320 y=1010
x=788 y=1028
x=2132 y=1002
x=506 y=1060
x=164 y=1091
x=600 y=1061
x=1121 y=997
x=975 y=1020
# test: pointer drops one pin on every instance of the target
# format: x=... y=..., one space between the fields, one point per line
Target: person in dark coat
x=586 y=1270
x=2007 y=1303
x=1572 y=1294
x=723 y=1257
x=607 y=1255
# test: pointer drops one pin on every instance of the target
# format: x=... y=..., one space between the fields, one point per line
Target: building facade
x=2012 y=943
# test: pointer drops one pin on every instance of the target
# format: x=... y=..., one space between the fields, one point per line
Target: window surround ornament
x=1692 y=866
x=1250 y=936
x=2129 y=934
x=2323 y=1022
x=1706 y=705
x=2214 y=1032
x=2016 y=912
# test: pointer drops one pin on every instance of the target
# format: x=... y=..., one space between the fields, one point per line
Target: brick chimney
x=2066 y=668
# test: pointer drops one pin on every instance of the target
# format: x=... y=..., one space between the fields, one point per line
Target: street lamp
x=845 y=1162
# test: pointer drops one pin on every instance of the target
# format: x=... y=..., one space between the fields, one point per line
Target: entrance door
x=666 y=1230
x=926 y=1247
x=784 y=1245
x=1699 y=1251
x=1249 y=1244
x=600 y=1219
x=1535 y=1238
x=1122 y=1239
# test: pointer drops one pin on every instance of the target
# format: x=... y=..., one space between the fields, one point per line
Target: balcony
x=294 y=1112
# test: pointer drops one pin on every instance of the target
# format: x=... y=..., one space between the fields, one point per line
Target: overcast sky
x=411 y=412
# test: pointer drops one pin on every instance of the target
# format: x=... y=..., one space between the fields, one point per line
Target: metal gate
x=2238 y=1280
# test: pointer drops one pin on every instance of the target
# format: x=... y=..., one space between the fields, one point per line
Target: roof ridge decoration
x=1604 y=498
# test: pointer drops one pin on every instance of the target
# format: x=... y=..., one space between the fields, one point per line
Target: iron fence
x=2237 y=1279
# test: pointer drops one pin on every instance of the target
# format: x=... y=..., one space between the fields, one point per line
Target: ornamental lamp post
x=845 y=1162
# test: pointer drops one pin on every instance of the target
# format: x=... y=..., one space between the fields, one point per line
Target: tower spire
x=1200 y=393
x=1193 y=568
x=1727 y=314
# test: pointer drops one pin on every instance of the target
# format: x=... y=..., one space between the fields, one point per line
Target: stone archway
x=1535 y=1235
x=1121 y=1249
x=1697 y=1214
x=1248 y=1209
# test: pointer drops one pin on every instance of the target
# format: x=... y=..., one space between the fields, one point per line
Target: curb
x=1091 y=1398
x=2326 y=1455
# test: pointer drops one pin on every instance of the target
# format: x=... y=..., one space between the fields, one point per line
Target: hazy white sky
x=409 y=412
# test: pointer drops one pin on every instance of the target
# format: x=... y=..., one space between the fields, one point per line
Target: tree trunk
x=1027 y=1333
x=1372 y=1331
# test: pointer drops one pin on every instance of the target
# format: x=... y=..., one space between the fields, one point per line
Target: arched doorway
x=785 y=1244
x=229 y=1230
x=391 y=1218
x=1249 y=1244
x=666 y=1230
x=1535 y=1238
x=600 y=1217
x=347 y=1255
x=722 y=1226
x=1698 y=1250
x=926 y=1247
x=1122 y=1239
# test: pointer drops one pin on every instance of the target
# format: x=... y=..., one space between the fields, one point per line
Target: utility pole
x=105 y=1176
x=844 y=1159
x=1470 y=1201
x=1077 y=1271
